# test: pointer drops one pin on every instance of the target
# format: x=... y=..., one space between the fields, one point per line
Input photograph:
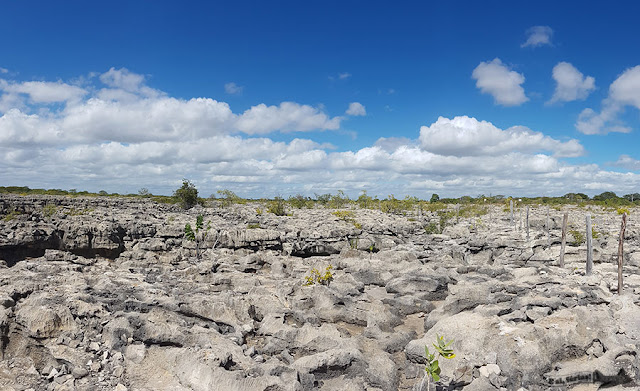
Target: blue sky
x=268 y=98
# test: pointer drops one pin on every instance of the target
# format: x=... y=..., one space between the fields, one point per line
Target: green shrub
x=622 y=210
x=229 y=198
x=253 y=225
x=277 y=207
x=338 y=201
x=316 y=277
x=12 y=215
x=431 y=228
x=49 y=210
x=194 y=235
x=578 y=238
x=299 y=201
x=187 y=195
x=348 y=216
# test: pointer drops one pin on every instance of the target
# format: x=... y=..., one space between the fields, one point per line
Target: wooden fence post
x=511 y=209
x=527 y=222
x=548 y=229
x=589 y=246
x=621 y=252
x=564 y=239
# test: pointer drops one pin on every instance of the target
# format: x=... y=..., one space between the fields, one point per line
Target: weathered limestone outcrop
x=106 y=294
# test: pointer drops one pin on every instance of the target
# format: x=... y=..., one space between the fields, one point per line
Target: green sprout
x=194 y=235
x=432 y=369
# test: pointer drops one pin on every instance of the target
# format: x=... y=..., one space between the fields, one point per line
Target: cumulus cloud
x=496 y=79
x=626 y=161
x=233 y=89
x=624 y=91
x=356 y=109
x=571 y=84
x=287 y=117
x=44 y=92
x=119 y=134
x=538 y=36
x=465 y=136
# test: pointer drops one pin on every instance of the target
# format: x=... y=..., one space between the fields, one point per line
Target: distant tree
x=632 y=197
x=187 y=195
x=607 y=195
x=103 y=193
x=434 y=198
x=144 y=192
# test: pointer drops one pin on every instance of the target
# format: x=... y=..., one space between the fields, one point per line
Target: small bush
x=348 y=216
x=623 y=211
x=49 y=210
x=431 y=228
x=253 y=225
x=316 y=277
x=12 y=215
x=187 y=195
x=578 y=238
x=300 y=201
x=229 y=198
x=199 y=234
x=277 y=207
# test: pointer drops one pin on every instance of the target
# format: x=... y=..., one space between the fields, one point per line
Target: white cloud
x=44 y=92
x=464 y=136
x=571 y=84
x=624 y=91
x=626 y=161
x=538 y=36
x=122 y=135
x=591 y=122
x=233 y=89
x=356 y=109
x=4 y=70
x=344 y=75
x=287 y=117
x=499 y=81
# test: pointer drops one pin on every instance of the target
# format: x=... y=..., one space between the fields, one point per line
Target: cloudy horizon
x=531 y=118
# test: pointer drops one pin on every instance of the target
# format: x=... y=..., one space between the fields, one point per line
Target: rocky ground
x=106 y=294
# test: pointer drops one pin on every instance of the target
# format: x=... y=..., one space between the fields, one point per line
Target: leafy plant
x=578 y=237
x=348 y=216
x=300 y=201
x=622 y=210
x=11 y=215
x=253 y=225
x=49 y=210
x=196 y=235
x=431 y=228
x=338 y=201
x=316 y=277
x=187 y=195
x=277 y=207
x=432 y=369
x=229 y=198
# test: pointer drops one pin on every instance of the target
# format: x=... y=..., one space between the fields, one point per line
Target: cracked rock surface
x=106 y=294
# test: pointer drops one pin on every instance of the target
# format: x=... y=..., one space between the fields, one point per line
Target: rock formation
x=107 y=294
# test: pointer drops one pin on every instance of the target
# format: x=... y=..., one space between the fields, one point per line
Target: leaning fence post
x=511 y=210
x=589 y=245
x=621 y=252
x=527 y=222
x=548 y=229
x=564 y=239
